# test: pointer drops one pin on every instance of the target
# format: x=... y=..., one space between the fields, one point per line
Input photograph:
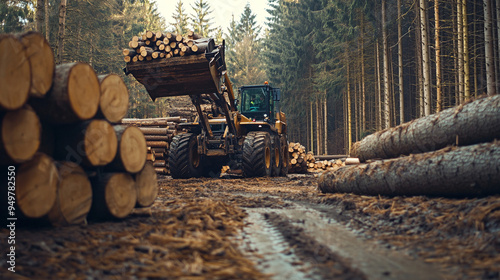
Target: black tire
x=285 y=162
x=277 y=157
x=257 y=157
x=183 y=158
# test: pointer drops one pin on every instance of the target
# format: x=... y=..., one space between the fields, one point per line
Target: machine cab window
x=254 y=99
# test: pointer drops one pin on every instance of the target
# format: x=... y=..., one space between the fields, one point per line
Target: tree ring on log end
x=15 y=73
x=100 y=143
x=84 y=91
x=21 y=133
x=120 y=195
x=114 y=97
x=133 y=149
x=36 y=186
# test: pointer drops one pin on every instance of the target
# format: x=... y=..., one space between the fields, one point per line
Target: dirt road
x=271 y=228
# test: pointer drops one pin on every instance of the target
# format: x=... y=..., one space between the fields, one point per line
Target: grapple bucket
x=184 y=75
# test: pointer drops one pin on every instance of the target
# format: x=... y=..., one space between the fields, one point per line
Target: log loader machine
x=251 y=140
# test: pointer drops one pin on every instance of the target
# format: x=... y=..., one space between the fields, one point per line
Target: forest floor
x=271 y=228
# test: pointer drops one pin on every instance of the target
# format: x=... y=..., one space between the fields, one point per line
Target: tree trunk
x=379 y=92
x=318 y=124
x=20 y=135
x=465 y=29
x=460 y=51
x=472 y=123
x=39 y=15
x=400 y=66
x=92 y=143
x=62 y=28
x=146 y=185
x=15 y=73
x=74 y=196
x=36 y=185
x=363 y=75
x=41 y=59
x=488 y=48
x=349 y=109
x=498 y=43
x=325 y=151
x=47 y=26
x=439 y=92
x=114 y=196
x=387 y=109
x=456 y=172
x=132 y=150
x=74 y=95
x=113 y=103
x=424 y=26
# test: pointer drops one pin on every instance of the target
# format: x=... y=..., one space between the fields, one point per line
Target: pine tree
x=201 y=18
x=180 y=19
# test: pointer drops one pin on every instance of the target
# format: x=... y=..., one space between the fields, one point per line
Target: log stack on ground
x=303 y=162
x=429 y=169
x=157 y=45
x=78 y=143
x=158 y=133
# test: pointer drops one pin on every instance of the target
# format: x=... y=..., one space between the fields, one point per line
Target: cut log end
x=147 y=186
x=36 y=186
x=100 y=143
x=83 y=90
x=114 y=97
x=120 y=195
x=21 y=134
x=74 y=196
x=42 y=63
x=15 y=73
x=133 y=149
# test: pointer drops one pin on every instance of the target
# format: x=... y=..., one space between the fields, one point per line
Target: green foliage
x=181 y=19
x=244 y=62
x=15 y=15
x=201 y=20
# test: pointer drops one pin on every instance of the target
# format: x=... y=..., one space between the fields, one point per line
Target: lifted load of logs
x=59 y=134
x=156 y=45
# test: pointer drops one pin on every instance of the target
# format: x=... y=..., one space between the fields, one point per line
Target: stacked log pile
x=157 y=45
x=59 y=135
x=158 y=133
x=467 y=167
x=303 y=162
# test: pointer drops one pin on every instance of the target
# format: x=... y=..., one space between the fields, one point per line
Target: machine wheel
x=285 y=162
x=277 y=157
x=183 y=158
x=257 y=157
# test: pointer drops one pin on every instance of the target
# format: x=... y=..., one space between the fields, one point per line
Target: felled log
x=113 y=103
x=151 y=121
x=453 y=171
x=154 y=131
x=92 y=143
x=41 y=58
x=20 y=135
x=74 y=95
x=475 y=122
x=74 y=196
x=157 y=144
x=114 y=196
x=36 y=185
x=15 y=73
x=132 y=149
x=147 y=186
x=153 y=138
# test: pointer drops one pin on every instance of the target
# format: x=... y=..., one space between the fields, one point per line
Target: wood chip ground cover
x=188 y=232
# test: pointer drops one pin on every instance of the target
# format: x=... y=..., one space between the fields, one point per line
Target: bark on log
x=113 y=103
x=92 y=143
x=41 y=58
x=475 y=122
x=36 y=185
x=157 y=144
x=74 y=196
x=453 y=171
x=166 y=138
x=154 y=131
x=132 y=149
x=160 y=163
x=15 y=73
x=74 y=95
x=20 y=135
x=114 y=196
x=148 y=121
x=147 y=186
